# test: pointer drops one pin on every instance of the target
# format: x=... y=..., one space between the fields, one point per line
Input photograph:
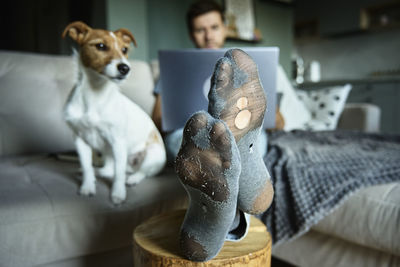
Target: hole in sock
x=251 y=148
x=242 y=119
x=242 y=103
x=240 y=230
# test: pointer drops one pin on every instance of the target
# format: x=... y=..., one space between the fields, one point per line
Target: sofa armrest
x=360 y=116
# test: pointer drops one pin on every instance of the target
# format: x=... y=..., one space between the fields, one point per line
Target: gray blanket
x=314 y=172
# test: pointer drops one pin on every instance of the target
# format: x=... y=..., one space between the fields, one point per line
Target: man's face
x=209 y=31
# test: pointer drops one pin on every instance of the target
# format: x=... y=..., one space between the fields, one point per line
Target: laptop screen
x=185 y=80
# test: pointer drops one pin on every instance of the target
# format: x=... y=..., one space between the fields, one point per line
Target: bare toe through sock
x=208 y=166
x=237 y=97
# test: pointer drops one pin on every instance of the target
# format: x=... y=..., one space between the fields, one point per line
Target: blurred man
x=205 y=21
x=206 y=27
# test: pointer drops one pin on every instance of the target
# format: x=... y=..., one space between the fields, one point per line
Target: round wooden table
x=156 y=244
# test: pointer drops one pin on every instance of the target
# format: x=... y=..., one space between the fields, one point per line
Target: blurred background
x=340 y=41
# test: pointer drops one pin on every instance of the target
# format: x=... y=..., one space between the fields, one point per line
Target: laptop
x=185 y=80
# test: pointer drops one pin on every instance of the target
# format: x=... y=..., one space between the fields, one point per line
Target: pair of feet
x=218 y=162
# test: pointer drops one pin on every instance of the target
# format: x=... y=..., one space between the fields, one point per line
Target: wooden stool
x=156 y=244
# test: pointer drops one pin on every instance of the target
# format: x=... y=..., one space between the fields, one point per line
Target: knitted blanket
x=314 y=172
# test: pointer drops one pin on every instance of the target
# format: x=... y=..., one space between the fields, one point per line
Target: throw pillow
x=293 y=110
x=325 y=106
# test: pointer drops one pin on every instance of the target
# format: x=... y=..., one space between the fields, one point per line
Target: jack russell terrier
x=105 y=120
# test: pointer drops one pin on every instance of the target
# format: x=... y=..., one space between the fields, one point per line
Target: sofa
x=44 y=222
x=363 y=231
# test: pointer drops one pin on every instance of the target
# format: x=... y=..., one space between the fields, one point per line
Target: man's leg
x=208 y=166
x=237 y=97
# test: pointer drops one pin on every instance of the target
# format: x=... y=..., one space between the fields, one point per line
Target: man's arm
x=156 y=114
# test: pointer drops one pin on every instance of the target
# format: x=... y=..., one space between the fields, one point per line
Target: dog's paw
x=118 y=194
x=117 y=200
x=88 y=190
x=135 y=178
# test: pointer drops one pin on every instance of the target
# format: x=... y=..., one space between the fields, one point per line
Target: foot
x=135 y=178
x=118 y=193
x=208 y=166
x=88 y=188
x=237 y=97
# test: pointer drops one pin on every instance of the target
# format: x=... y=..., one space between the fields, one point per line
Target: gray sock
x=237 y=97
x=208 y=165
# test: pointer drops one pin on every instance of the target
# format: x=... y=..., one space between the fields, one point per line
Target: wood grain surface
x=156 y=244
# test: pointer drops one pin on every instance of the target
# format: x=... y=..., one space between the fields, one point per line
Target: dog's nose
x=123 y=68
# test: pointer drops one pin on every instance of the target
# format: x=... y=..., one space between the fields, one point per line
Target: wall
x=276 y=24
x=167 y=25
x=36 y=26
x=130 y=14
x=344 y=50
x=355 y=56
x=348 y=54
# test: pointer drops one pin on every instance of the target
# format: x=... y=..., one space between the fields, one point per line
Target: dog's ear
x=126 y=35
x=77 y=31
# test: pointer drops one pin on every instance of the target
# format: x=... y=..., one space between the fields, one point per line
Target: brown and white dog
x=105 y=120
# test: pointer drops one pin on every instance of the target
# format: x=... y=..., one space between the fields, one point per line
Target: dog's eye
x=101 y=47
x=124 y=50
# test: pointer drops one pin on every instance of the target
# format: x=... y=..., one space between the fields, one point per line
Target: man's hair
x=200 y=8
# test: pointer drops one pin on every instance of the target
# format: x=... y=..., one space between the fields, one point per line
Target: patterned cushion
x=294 y=112
x=325 y=106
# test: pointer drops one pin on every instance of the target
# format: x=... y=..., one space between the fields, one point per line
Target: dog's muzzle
x=117 y=70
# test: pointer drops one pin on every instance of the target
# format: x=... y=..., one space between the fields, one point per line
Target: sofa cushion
x=370 y=218
x=294 y=112
x=139 y=85
x=33 y=91
x=316 y=249
x=43 y=219
x=360 y=116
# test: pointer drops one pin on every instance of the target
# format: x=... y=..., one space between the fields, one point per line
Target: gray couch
x=44 y=222
x=362 y=232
